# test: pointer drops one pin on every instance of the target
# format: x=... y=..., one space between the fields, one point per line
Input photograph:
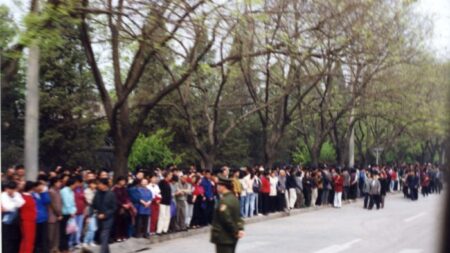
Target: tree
x=144 y=32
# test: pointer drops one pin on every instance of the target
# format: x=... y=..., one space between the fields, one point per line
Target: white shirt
x=273 y=186
x=154 y=188
x=11 y=204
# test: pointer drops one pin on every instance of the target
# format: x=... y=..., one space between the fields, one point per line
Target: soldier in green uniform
x=227 y=225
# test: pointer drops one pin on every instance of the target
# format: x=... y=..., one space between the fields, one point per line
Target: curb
x=133 y=245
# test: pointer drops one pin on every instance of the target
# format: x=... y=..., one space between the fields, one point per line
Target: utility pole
x=32 y=108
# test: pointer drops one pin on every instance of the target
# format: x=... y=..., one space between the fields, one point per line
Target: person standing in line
x=28 y=214
x=208 y=186
x=103 y=206
x=307 y=188
x=54 y=214
x=347 y=181
x=273 y=179
x=227 y=226
x=281 y=191
x=42 y=200
x=314 y=188
x=80 y=203
x=251 y=194
x=11 y=202
x=143 y=209
x=198 y=197
x=91 y=221
x=166 y=199
x=375 y=192
x=353 y=190
x=68 y=211
x=326 y=187
x=124 y=209
x=265 y=192
x=182 y=190
x=366 y=188
x=291 y=188
x=243 y=198
x=156 y=193
x=338 y=182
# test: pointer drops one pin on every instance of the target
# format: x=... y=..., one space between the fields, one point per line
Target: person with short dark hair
x=42 y=200
x=11 y=201
x=166 y=200
x=54 y=213
x=68 y=211
x=104 y=206
x=124 y=211
x=208 y=186
x=91 y=221
x=80 y=203
x=28 y=215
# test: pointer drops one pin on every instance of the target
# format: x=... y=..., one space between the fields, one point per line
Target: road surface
x=401 y=227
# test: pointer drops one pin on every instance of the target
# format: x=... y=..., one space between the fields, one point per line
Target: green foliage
x=302 y=156
x=7 y=27
x=153 y=151
x=44 y=28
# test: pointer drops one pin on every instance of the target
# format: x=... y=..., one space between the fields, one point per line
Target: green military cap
x=224 y=181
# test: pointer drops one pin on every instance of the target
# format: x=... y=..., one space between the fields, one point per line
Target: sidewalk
x=133 y=245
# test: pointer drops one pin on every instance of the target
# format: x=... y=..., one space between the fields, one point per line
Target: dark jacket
x=227 y=221
x=166 y=192
x=104 y=203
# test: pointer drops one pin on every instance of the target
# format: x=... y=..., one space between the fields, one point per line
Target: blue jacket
x=133 y=193
x=68 y=201
x=42 y=201
x=145 y=195
x=207 y=185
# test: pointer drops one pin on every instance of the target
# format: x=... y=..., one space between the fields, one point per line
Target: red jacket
x=80 y=200
x=338 y=183
x=265 y=185
x=28 y=211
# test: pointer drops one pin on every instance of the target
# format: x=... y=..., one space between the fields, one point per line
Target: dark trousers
x=366 y=199
x=121 y=221
x=209 y=210
x=198 y=216
x=414 y=193
x=63 y=236
x=225 y=248
x=41 y=241
x=281 y=201
x=353 y=191
x=141 y=225
x=104 y=238
x=307 y=195
x=265 y=203
x=272 y=204
x=10 y=237
x=374 y=200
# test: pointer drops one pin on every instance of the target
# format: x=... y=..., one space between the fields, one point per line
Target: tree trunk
x=32 y=115
x=207 y=161
x=315 y=154
x=351 y=148
x=121 y=153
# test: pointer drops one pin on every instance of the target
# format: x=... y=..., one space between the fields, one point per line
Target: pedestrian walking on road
x=227 y=226
x=104 y=206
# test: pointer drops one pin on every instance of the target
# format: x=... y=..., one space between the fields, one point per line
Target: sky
x=437 y=10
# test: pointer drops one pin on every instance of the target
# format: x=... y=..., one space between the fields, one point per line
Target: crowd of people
x=66 y=209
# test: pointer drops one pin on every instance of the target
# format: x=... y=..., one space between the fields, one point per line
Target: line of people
x=67 y=209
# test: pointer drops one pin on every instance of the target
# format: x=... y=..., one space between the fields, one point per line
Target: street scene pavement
x=402 y=226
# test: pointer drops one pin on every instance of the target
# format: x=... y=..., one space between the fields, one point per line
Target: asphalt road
x=401 y=227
